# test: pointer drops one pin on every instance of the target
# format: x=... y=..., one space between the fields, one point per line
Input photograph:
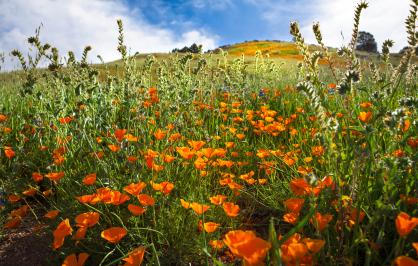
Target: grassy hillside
x=213 y=159
x=289 y=50
x=285 y=54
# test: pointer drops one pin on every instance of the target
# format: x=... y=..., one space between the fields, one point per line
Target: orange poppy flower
x=199 y=209
x=55 y=176
x=185 y=152
x=113 y=147
x=405 y=261
x=151 y=153
x=314 y=245
x=405 y=224
x=47 y=193
x=409 y=200
x=234 y=187
x=415 y=246
x=87 y=219
x=231 y=209
x=20 y=212
x=210 y=227
x=3 y=118
x=262 y=181
x=295 y=250
x=86 y=199
x=318 y=151
x=52 y=214
x=169 y=158
x=13 y=198
x=114 y=234
x=207 y=152
x=229 y=145
x=398 y=153
x=99 y=155
x=321 y=221
x=159 y=134
x=216 y=244
x=29 y=192
x=131 y=138
x=90 y=179
x=355 y=215
x=291 y=217
x=58 y=159
x=119 y=134
x=247 y=245
x=63 y=229
x=234 y=154
x=366 y=105
x=146 y=200
x=365 y=117
x=406 y=125
x=174 y=137
x=135 y=209
x=263 y=154
x=9 y=152
x=135 y=257
x=240 y=136
x=247 y=176
x=165 y=187
x=412 y=142
x=332 y=85
x=13 y=223
x=225 y=163
x=225 y=181
x=73 y=260
x=104 y=194
x=294 y=204
x=132 y=159
x=304 y=170
x=117 y=198
x=65 y=120
x=149 y=161
x=80 y=233
x=328 y=182
x=196 y=145
x=219 y=152
x=37 y=177
x=185 y=204
x=218 y=199
x=200 y=164
x=300 y=187
x=135 y=188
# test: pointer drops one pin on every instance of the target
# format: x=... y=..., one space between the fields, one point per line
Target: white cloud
x=383 y=18
x=71 y=25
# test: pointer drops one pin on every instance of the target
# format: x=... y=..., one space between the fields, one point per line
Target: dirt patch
x=28 y=245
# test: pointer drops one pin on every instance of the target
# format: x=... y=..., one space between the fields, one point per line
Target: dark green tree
x=403 y=50
x=366 y=42
x=194 y=49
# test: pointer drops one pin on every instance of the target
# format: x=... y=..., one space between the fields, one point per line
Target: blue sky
x=231 y=22
x=161 y=25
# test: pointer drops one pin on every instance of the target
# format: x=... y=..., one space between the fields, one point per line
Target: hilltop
x=285 y=50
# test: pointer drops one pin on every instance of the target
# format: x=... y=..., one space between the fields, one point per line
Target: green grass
x=288 y=126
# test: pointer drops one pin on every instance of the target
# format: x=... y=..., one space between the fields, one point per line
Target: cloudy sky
x=161 y=25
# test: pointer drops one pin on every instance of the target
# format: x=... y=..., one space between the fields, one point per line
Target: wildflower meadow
x=214 y=159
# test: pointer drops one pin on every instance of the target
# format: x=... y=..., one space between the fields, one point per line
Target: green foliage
x=354 y=125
